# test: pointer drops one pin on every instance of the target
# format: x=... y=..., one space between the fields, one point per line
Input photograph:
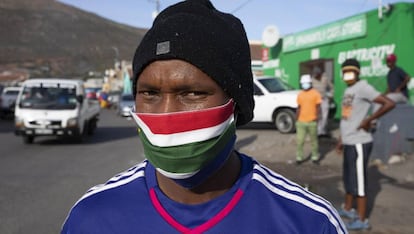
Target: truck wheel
x=28 y=139
x=80 y=138
x=92 y=126
x=285 y=121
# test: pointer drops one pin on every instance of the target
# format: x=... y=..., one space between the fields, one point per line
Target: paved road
x=40 y=182
x=390 y=187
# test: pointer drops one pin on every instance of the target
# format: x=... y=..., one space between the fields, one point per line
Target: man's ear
x=236 y=113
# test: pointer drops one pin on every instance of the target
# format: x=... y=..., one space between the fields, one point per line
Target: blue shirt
x=261 y=201
x=395 y=77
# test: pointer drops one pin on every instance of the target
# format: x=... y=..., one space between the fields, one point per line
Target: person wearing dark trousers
x=356 y=141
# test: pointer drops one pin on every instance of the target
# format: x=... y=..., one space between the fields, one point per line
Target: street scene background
x=39 y=183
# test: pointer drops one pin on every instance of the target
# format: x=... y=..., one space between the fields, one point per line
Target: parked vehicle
x=8 y=100
x=92 y=93
x=275 y=102
x=125 y=105
x=55 y=107
x=114 y=99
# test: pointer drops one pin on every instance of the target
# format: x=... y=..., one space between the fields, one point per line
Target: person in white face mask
x=307 y=115
x=356 y=141
x=192 y=85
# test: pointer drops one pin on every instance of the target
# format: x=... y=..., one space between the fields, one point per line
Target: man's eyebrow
x=178 y=87
x=147 y=86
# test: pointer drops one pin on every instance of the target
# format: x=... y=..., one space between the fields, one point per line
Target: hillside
x=49 y=38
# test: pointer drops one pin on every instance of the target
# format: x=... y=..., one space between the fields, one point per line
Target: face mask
x=188 y=146
x=306 y=86
x=349 y=77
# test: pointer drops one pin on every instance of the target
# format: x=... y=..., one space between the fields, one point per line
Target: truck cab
x=54 y=107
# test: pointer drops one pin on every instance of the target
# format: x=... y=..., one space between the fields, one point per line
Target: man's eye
x=147 y=93
x=195 y=93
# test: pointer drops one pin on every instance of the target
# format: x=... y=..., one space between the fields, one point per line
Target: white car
x=125 y=105
x=7 y=100
x=275 y=102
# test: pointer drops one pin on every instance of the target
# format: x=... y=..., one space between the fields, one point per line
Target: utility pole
x=380 y=9
x=157 y=8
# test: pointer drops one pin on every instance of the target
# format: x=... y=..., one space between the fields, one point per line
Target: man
x=397 y=80
x=307 y=116
x=324 y=86
x=356 y=141
x=193 y=84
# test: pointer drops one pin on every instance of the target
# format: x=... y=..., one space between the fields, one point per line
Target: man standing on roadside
x=397 y=80
x=307 y=116
x=324 y=86
x=356 y=141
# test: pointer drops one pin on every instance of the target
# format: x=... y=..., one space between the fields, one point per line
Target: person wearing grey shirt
x=356 y=141
x=324 y=86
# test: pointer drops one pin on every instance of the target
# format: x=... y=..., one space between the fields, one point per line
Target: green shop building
x=368 y=37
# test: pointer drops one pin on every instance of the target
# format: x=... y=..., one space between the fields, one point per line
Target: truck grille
x=46 y=123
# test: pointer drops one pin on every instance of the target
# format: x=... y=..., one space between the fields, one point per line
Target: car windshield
x=128 y=97
x=274 y=84
x=51 y=97
x=11 y=92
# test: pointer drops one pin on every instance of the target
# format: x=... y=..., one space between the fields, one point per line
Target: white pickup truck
x=54 y=107
x=275 y=102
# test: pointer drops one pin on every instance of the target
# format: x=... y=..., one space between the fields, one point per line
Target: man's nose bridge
x=167 y=104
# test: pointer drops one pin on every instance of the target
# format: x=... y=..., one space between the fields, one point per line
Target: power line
x=241 y=6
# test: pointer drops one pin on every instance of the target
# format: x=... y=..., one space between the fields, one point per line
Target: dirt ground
x=390 y=186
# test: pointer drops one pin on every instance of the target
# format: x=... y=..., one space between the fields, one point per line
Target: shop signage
x=372 y=59
x=337 y=31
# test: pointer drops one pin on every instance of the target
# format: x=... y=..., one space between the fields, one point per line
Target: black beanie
x=351 y=64
x=213 y=41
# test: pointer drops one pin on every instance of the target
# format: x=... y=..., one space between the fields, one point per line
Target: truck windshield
x=274 y=85
x=53 y=97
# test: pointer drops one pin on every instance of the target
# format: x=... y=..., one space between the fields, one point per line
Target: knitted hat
x=213 y=41
x=351 y=64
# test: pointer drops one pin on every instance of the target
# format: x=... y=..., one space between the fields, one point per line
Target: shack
x=369 y=37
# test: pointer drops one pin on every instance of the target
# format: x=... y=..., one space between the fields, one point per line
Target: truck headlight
x=72 y=122
x=18 y=122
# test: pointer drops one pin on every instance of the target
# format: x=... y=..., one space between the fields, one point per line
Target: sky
x=289 y=16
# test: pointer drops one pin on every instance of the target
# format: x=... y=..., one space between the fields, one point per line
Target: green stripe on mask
x=189 y=157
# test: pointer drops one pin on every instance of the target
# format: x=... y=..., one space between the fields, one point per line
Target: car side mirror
x=79 y=98
x=257 y=91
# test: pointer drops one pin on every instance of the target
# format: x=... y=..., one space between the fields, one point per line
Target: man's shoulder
x=117 y=184
x=119 y=195
x=400 y=70
x=360 y=84
x=315 y=92
x=281 y=186
x=294 y=197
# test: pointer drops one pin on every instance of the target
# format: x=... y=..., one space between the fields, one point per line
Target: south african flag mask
x=188 y=146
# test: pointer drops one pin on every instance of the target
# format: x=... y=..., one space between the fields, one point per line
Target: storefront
x=368 y=37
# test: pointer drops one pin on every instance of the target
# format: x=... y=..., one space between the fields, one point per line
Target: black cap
x=213 y=41
x=351 y=64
